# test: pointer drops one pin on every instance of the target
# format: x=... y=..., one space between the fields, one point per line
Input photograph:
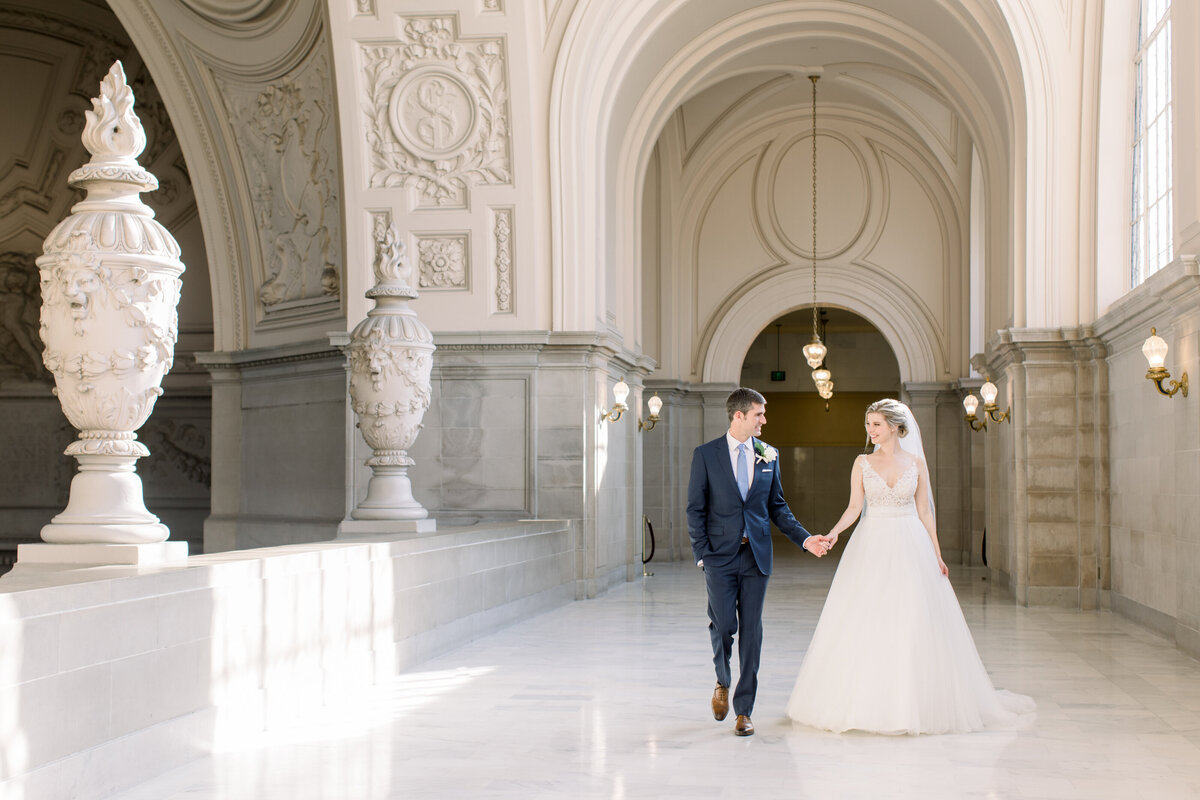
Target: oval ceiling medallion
x=843 y=195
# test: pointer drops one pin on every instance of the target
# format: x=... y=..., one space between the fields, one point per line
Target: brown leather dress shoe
x=744 y=726
x=720 y=702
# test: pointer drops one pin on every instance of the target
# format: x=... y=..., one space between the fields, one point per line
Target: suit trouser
x=736 y=593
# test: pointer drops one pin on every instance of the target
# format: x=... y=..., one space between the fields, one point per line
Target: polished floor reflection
x=609 y=699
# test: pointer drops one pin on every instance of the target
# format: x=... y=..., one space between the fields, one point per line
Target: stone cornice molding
x=268 y=356
x=1127 y=322
x=540 y=343
x=1045 y=345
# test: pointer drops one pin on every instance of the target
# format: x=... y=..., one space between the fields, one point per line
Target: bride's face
x=877 y=428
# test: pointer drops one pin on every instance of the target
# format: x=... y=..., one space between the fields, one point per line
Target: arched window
x=1151 y=235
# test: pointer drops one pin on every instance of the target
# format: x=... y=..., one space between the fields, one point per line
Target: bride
x=891 y=651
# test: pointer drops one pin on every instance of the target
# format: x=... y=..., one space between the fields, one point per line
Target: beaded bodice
x=880 y=495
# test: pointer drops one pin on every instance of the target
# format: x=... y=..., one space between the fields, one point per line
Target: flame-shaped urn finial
x=110 y=286
x=391 y=357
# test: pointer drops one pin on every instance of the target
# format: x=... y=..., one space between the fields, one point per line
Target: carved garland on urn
x=110 y=285
x=391 y=358
x=437 y=111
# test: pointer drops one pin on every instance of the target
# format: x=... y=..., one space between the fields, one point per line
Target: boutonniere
x=764 y=453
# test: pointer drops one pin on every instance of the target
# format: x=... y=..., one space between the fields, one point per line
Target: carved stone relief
x=443 y=262
x=492 y=5
x=364 y=8
x=20 y=303
x=288 y=144
x=504 y=277
x=180 y=450
x=437 y=111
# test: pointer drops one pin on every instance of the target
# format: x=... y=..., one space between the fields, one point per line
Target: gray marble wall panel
x=279 y=446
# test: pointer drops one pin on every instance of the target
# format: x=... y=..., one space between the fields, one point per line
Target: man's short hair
x=743 y=399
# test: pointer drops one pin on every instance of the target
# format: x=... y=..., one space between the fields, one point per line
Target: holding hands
x=819 y=545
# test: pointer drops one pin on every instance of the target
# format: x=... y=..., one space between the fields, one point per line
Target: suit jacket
x=718 y=517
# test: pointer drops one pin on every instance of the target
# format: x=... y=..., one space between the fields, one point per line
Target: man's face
x=750 y=423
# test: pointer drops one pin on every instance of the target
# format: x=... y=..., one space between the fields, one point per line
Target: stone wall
x=1154 y=457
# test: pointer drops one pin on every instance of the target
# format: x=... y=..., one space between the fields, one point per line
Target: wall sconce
x=620 y=393
x=971 y=403
x=1155 y=351
x=655 y=404
x=988 y=392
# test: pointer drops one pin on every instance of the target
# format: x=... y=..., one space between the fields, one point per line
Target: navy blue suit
x=735 y=573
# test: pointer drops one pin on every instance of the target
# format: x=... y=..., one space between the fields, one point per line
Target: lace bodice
x=880 y=495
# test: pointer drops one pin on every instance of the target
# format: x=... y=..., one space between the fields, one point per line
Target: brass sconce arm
x=1160 y=374
x=614 y=413
x=648 y=424
x=993 y=411
x=976 y=423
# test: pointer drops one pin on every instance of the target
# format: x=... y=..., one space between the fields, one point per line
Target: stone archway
x=871 y=294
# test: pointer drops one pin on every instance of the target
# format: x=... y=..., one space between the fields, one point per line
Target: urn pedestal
x=390 y=361
x=110 y=286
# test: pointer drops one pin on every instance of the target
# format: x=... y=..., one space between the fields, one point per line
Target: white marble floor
x=610 y=699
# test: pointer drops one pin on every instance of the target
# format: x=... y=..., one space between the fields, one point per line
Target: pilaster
x=1049 y=492
x=270 y=485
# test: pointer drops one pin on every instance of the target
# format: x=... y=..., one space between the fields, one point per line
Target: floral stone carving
x=110 y=285
x=437 y=111
x=391 y=357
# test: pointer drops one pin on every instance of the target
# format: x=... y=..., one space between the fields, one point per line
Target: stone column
x=110 y=286
x=1056 y=383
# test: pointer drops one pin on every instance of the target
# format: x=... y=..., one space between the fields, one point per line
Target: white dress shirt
x=733 y=457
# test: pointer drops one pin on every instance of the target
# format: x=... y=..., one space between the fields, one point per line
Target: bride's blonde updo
x=893 y=414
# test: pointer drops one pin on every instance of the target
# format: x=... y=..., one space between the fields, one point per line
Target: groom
x=734 y=494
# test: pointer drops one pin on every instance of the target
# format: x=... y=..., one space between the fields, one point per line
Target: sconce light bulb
x=655 y=404
x=621 y=392
x=1155 y=350
x=988 y=392
x=821 y=375
x=970 y=403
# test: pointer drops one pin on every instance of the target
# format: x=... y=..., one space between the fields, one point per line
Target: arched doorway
x=818 y=439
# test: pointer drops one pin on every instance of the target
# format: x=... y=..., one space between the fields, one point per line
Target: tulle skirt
x=892 y=652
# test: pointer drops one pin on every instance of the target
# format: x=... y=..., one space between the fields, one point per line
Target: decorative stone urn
x=391 y=356
x=110 y=284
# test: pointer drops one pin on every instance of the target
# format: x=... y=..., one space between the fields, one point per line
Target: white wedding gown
x=892 y=652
